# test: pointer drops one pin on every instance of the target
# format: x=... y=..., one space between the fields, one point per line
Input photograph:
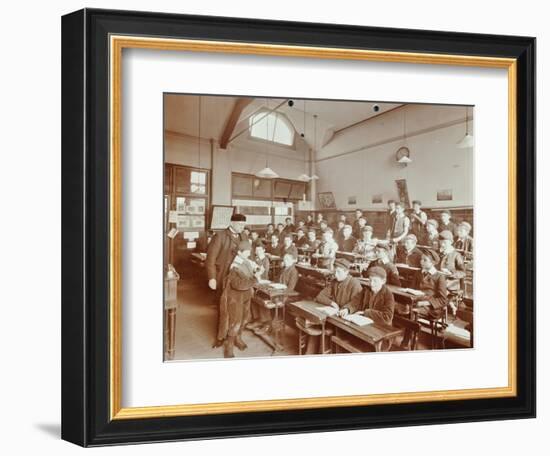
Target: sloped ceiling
x=182 y=115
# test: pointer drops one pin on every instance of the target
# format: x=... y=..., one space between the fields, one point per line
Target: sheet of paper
x=173 y=217
x=191 y=245
x=191 y=235
x=172 y=233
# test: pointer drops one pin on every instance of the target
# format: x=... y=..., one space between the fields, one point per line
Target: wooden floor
x=196 y=326
x=197 y=320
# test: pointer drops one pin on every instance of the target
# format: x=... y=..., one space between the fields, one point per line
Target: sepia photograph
x=267 y=254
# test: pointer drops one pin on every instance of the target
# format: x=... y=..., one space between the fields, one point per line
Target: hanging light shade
x=468 y=139
x=267 y=173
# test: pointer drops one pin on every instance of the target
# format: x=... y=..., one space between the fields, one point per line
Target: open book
x=359 y=320
x=413 y=291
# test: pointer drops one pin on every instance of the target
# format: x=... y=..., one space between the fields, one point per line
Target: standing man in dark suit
x=221 y=252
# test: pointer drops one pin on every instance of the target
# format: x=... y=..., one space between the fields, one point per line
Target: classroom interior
x=274 y=159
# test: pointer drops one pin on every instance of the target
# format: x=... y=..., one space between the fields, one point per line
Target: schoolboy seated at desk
x=431 y=239
x=367 y=243
x=255 y=241
x=343 y=289
x=446 y=224
x=288 y=246
x=261 y=260
x=340 y=292
x=464 y=242
x=348 y=242
x=312 y=241
x=301 y=226
x=383 y=261
x=376 y=302
x=269 y=232
x=309 y=221
x=452 y=263
x=289 y=226
x=301 y=239
x=326 y=252
x=433 y=284
x=280 y=231
x=274 y=248
x=262 y=317
x=319 y=220
x=408 y=253
x=323 y=226
x=358 y=226
x=339 y=231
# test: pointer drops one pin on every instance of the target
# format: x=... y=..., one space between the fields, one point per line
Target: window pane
x=271 y=127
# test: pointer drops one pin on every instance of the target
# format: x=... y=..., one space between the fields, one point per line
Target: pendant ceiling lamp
x=306 y=177
x=267 y=172
x=468 y=139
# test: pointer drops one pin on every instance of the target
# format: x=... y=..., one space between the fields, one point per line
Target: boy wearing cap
x=464 y=242
x=343 y=289
x=376 y=301
x=383 y=261
x=348 y=241
x=433 y=284
x=235 y=299
x=452 y=263
x=418 y=220
x=446 y=224
x=408 y=253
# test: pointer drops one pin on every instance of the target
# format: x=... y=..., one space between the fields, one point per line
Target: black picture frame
x=85 y=228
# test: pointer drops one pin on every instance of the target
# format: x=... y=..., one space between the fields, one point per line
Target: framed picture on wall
x=124 y=308
x=326 y=200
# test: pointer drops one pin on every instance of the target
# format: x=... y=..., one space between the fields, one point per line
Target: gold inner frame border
x=116 y=46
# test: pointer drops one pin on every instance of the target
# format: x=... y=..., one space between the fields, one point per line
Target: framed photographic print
x=326 y=200
x=164 y=333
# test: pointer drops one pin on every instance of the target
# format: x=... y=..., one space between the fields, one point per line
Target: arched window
x=272 y=126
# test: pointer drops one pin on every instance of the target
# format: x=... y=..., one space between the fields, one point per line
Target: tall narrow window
x=198 y=182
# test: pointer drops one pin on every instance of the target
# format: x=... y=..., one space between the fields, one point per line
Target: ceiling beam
x=238 y=108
